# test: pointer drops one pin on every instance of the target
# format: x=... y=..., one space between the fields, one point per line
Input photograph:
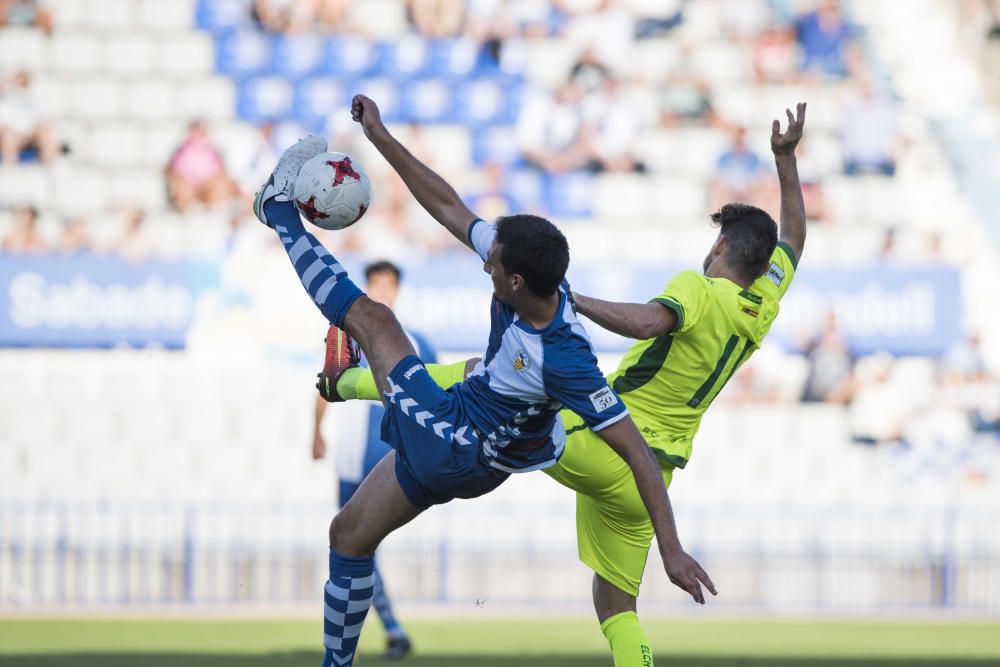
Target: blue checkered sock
x=320 y=272
x=347 y=598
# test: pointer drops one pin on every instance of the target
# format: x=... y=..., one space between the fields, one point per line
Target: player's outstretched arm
x=634 y=320
x=683 y=570
x=429 y=189
x=793 y=208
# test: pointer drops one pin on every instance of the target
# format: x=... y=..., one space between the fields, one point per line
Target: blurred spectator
x=23 y=237
x=739 y=174
x=964 y=362
x=826 y=41
x=669 y=14
x=830 y=366
x=811 y=179
x=300 y=15
x=133 y=245
x=21 y=124
x=588 y=73
x=614 y=126
x=686 y=97
x=775 y=55
x=550 y=130
x=436 y=18
x=252 y=161
x=25 y=13
x=196 y=173
x=878 y=410
x=74 y=239
x=888 y=251
x=870 y=134
x=608 y=29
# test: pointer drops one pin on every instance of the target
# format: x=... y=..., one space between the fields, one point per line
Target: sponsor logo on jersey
x=413 y=369
x=603 y=398
x=521 y=361
x=751 y=297
x=776 y=274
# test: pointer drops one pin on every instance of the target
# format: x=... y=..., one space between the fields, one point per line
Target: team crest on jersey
x=776 y=274
x=521 y=361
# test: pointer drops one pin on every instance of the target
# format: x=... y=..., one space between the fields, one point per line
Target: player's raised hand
x=784 y=144
x=365 y=111
x=685 y=573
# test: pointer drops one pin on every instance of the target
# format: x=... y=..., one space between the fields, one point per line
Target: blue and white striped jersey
x=526 y=376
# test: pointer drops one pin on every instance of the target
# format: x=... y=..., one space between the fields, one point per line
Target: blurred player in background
x=359 y=450
x=693 y=338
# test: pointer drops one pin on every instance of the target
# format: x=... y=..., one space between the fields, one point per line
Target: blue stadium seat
x=569 y=195
x=265 y=98
x=243 y=53
x=428 y=101
x=486 y=101
x=297 y=56
x=318 y=97
x=386 y=94
x=495 y=144
x=454 y=58
x=526 y=189
x=351 y=55
x=220 y=16
x=405 y=58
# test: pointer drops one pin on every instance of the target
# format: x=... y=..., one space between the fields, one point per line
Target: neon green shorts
x=613 y=529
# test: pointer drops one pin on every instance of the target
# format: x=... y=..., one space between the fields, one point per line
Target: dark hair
x=751 y=235
x=383 y=266
x=534 y=248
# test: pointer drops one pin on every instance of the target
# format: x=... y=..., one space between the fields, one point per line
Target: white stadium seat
x=22 y=48
x=95 y=98
x=151 y=99
x=211 y=98
x=165 y=14
x=115 y=144
x=110 y=15
x=184 y=54
x=128 y=54
x=80 y=191
x=74 y=52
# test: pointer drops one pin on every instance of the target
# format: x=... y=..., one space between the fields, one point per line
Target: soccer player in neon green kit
x=692 y=339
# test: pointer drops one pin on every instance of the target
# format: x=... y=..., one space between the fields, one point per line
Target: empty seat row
x=148 y=54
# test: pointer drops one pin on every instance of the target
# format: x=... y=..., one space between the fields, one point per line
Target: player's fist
x=685 y=573
x=365 y=111
x=319 y=447
x=784 y=144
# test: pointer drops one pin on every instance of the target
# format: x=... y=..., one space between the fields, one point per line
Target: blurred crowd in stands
x=592 y=121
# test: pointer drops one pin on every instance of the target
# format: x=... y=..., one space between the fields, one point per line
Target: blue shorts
x=437 y=449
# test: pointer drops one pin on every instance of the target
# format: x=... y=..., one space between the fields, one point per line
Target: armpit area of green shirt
x=791 y=254
x=676 y=307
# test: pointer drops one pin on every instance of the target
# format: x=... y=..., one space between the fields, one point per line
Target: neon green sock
x=629 y=644
x=359 y=383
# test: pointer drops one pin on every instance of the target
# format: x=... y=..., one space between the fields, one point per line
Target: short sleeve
x=571 y=376
x=685 y=295
x=481 y=236
x=780 y=272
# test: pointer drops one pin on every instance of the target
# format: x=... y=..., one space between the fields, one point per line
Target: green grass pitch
x=706 y=642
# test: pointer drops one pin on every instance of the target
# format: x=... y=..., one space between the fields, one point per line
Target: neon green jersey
x=668 y=382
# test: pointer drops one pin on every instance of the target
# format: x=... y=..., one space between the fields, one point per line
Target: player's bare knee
x=347 y=538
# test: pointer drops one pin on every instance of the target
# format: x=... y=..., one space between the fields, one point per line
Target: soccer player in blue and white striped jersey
x=464 y=441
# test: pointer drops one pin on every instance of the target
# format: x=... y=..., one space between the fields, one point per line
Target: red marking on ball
x=343 y=168
x=361 y=212
x=309 y=210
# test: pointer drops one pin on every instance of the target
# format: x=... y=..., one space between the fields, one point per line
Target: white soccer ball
x=332 y=191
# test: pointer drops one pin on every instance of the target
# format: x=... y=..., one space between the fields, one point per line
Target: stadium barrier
x=88 y=555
